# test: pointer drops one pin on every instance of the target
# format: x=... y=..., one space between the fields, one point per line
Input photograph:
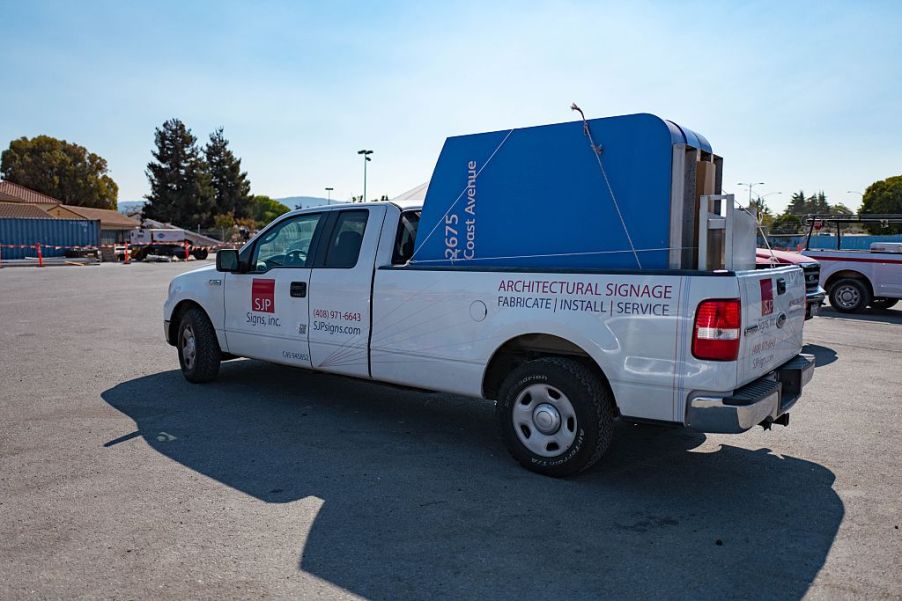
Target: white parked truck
x=169 y=242
x=564 y=352
x=858 y=279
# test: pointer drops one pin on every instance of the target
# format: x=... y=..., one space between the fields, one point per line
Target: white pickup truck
x=564 y=352
x=857 y=279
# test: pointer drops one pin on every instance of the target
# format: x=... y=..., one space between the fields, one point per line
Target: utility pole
x=329 y=192
x=366 y=159
x=750 y=186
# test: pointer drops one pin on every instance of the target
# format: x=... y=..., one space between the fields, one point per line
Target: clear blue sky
x=794 y=94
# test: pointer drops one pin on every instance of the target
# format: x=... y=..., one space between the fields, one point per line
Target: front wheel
x=849 y=296
x=199 y=352
x=555 y=416
x=884 y=303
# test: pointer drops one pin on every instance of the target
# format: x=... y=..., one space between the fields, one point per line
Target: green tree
x=60 y=169
x=797 y=204
x=264 y=209
x=841 y=209
x=765 y=216
x=181 y=192
x=883 y=197
x=818 y=205
x=231 y=187
x=786 y=224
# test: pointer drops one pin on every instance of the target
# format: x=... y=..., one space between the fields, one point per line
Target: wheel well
x=177 y=313
x=528 y=347
x=848 y=274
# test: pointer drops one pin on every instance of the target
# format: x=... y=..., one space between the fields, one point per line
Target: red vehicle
x=814 y=295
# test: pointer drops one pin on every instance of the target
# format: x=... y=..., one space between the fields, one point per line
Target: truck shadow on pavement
x=823 y=355
x=420 y=499
x=874 y=315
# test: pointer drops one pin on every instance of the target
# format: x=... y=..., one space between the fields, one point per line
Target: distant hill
x=305 y=202
x=130 y=206
x=292 y=202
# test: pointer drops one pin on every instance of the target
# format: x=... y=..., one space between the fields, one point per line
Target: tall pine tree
x=798 y=205
x=230 y=184
x=180 y=188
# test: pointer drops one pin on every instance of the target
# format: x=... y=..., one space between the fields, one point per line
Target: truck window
x=287 y=244
x=407 y=236
x=347 y=235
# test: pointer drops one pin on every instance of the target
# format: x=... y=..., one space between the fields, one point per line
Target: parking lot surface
x=120 y=480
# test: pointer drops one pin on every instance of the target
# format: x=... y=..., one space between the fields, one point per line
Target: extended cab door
x=340 y=291
x=266 y=309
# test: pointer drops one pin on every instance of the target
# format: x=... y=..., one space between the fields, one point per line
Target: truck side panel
x=439 y=329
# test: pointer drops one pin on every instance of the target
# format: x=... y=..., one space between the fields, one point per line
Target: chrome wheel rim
x=189 y=347
x=544 y=420
x=848 y=297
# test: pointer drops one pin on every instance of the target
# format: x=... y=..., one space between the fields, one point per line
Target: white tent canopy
x=413 y=197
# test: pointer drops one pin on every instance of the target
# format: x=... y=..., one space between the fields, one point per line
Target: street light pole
x=750 y=186
x=366 y=158
x=329 y=192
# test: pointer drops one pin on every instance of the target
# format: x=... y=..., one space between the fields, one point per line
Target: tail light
x=715 y=336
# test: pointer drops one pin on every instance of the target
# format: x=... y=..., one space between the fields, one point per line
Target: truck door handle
x=298 y=289
x=781 y=286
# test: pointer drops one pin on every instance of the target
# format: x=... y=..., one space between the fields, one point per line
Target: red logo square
x=263 y=296
x=767 y=296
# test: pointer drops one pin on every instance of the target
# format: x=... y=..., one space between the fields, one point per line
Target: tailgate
x=773 y=313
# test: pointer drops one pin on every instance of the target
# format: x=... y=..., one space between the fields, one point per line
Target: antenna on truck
x=597 y=149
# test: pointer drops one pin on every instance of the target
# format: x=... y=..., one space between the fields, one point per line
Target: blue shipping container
x=537 y=196
x=49 y=233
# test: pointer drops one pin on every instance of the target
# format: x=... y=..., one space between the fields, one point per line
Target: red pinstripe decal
x=857 y=259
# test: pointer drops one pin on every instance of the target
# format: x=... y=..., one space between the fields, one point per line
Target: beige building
x=114 y=226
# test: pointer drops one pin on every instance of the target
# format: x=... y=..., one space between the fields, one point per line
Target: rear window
x=347 y=236
x=406 y=238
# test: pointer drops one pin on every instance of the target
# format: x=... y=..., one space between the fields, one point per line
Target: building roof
x=108 y=218
x=22 y=210
x=11 y=192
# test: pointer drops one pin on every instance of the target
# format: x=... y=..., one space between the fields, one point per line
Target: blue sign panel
x=544 y=197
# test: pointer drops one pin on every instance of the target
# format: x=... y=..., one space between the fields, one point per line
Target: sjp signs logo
x=263 y=296
x=767 y=296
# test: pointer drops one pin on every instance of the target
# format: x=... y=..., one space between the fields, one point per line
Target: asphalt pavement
x=120 y=480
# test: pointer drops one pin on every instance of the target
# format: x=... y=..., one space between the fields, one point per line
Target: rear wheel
x=884 y=303
x=849 y=296
x=555 y=416
x=199 y=352
x=200 y=253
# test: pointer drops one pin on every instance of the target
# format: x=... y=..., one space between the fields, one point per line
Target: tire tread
x=602 y=409
x=209 y=355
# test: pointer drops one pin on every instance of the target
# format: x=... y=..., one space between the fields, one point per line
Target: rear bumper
x=813 y=301
x=761 y=401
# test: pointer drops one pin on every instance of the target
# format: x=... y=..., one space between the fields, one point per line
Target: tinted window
x=287 y=244
x=407 y=236
x=344 y=246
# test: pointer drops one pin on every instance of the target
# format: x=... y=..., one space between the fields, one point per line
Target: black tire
x=592 y=407
x=849 y=296
x=200 y=253
x=884 y=303
x=200 y=362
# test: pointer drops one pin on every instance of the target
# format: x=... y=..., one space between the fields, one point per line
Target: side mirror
x=227 y=260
